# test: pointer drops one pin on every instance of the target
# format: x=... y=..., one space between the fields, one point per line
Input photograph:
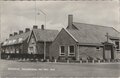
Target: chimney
x=20 y=31
x=42 y=27
x=27 y=29
x=70 y=20
x=15 y=33
x=35 y=27
x=10 y=35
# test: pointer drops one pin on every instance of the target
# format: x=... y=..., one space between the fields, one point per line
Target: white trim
x=35 y=36
x=70 y=35
x=60 y=54
x=29 y=36
x=69 y=50
x=20 y=40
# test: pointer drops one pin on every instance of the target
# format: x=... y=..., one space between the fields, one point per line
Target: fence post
x=98 y=61
x=55 y=60
x=80 y=61
x=41 y=60
x=93 y=61
x=47 y=60
x=67 y=61
x=109 y=60
x=86 y=61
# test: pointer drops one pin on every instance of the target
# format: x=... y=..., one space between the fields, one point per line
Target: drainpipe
x=44 y=50
x=77 y=53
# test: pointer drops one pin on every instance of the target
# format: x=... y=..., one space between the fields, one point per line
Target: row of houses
x=75 y=42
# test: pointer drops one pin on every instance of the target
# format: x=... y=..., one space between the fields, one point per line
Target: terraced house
x=31 y=42
x=86 y=41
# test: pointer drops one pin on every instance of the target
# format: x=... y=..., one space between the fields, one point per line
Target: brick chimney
x=20 y=31
x=42 y=27
x=70 y=20
x=10 y=35
x=27 y=29
x=35 y=27
x=15 y=33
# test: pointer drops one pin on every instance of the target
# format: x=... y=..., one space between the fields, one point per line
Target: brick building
x=85 y=41
x=26 y=44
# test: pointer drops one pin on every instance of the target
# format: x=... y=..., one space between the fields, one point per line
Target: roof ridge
x=46 y=29
x=21 y=33
x=93 y=25
x=115 y=29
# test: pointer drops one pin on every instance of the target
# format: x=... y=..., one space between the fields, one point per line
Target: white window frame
x=61 y=54
x=20 y=40
x=71 y=54
x=31 y=49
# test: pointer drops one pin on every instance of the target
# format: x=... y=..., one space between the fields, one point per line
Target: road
x=14 y=69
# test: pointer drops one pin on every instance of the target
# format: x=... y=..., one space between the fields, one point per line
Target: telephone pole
x=0 y=31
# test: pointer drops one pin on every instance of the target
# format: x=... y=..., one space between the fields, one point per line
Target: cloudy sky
x=17 y=15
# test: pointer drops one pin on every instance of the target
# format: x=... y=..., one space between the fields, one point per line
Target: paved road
x=14 y=69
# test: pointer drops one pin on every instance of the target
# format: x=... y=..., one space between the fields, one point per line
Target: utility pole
x=44 y=15
x=0 y=30
x=45 y=25
x=35 y=12
x=44 y=41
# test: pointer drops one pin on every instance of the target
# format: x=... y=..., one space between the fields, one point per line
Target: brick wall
x=90 y=51
x=40 y=47
x=63 y=39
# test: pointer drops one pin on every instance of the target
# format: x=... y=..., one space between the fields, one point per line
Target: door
x=32 y=49
x=108 y=52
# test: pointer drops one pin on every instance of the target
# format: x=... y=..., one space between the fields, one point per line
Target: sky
x=18 y=15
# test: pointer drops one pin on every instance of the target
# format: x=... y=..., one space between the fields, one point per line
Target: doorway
x=109 y=52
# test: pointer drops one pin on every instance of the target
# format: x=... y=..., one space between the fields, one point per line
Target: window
x=62 y=50
x=31 y=48
x=117 y=44
x=20 y=39
x=97 y=48
x=32 y=40
x=71 y=50
x=17 y=50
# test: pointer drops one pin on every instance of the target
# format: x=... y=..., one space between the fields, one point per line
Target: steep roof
x=88 y=33
x=23 y=36
x=19 y=38
x=41 y=35
x=45 y=35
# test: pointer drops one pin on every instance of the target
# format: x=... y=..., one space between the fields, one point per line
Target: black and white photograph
x=59 y=39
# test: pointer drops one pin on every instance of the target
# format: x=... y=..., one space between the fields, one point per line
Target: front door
x=108 y=52
x=32 y=49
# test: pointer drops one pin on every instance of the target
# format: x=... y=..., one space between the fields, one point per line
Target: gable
x=32 y=38
x=45 y=35
x=64 y=38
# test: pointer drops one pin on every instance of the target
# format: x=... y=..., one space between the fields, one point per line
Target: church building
x=86 y=41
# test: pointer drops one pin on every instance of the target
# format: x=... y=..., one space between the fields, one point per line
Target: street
x=14 y=69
